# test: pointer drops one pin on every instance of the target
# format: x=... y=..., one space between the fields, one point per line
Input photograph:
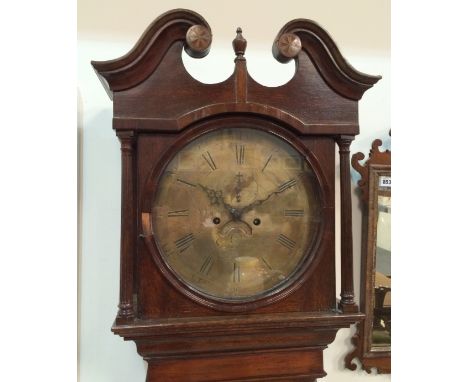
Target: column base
x=348 y=308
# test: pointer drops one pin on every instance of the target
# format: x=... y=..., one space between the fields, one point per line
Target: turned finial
x=239 y=44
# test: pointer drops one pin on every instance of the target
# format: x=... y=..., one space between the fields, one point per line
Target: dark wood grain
x=157 y=109
x=321 y=48
x=347 y=303
x=316 y=109
x=225 y=339
x=135 y=66
x=128 y=225
x=260 y=365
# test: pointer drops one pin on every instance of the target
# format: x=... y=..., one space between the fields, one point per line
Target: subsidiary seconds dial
x=235 y=213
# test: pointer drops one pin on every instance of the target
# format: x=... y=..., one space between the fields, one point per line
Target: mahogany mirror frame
x=378 y=165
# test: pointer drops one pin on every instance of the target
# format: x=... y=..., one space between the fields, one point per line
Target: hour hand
x=216 y=197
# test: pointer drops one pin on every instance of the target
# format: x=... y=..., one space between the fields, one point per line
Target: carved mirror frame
x=378 y=165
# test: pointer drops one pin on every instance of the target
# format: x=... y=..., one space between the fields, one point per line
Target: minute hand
x=283 y=187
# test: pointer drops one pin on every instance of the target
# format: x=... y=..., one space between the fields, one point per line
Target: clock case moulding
x=157 y=107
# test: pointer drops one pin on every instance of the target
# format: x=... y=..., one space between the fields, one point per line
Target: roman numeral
x=186 y=183
x=266 y=263
x=286 y=185
x=268 y=161
x=236 y=275
x=286 y=241
x=240 y=153
x=293 y=212
x=206 y=266
x=209 y=160
x=173 y=214
x=184 y=242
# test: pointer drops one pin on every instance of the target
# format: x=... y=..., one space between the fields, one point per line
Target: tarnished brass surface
x=235 y=213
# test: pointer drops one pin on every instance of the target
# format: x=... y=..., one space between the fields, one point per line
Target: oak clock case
x=227 y=261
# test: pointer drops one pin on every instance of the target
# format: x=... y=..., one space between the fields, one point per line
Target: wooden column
x=347 y=303
x=127 y=238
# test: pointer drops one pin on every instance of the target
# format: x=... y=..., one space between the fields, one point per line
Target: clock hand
x=256 y=203
x=213 y=195
x=216 y=197
x=238 y=187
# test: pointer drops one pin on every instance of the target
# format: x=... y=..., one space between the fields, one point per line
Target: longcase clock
x=228 y=205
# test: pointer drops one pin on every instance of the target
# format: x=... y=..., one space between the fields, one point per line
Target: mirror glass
x=381 y=327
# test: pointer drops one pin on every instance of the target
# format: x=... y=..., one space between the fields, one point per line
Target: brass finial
x=239 y=44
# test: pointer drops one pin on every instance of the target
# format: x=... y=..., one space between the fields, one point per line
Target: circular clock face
x=236 y=213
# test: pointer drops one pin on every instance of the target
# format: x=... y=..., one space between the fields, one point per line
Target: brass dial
x=235 y=213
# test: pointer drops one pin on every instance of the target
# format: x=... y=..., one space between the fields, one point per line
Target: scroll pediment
x=141 y=81
x=134 y=67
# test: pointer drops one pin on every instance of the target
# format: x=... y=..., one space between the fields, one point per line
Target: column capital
x=127 y=140
x=344 y=141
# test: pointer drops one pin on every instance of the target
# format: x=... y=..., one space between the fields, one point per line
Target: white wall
x=108 y=29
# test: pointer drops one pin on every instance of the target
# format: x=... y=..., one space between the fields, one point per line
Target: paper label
x=385 y=181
